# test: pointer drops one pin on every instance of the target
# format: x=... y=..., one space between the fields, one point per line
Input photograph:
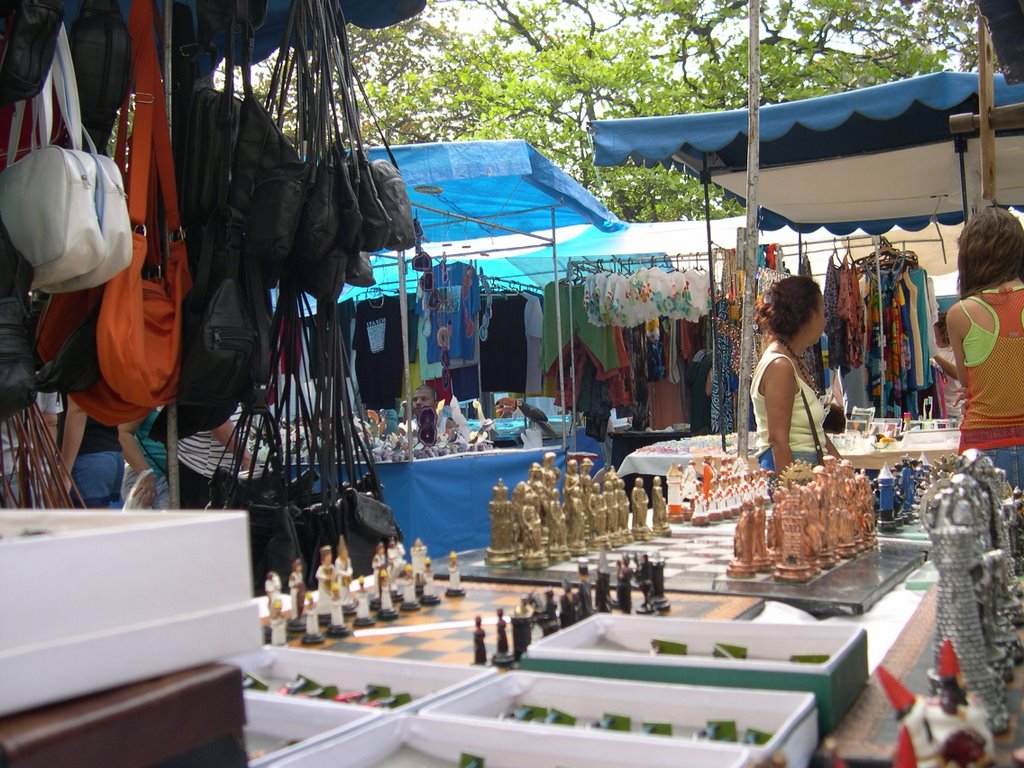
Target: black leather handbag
x=29 y=40
x=101 y=49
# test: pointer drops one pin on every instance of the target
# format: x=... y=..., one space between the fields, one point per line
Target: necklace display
x=805 y=372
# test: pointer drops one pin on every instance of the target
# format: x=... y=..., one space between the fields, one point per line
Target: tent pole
x=403 y=313
x=558 y=324
x=705 y=178
x=960 y=144
x=749 y=244
x=173 y=478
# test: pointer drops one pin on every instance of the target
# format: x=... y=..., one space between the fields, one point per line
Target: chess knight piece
x=454 y=577
x=660 y=525
x=638 y=506
x=503 y=528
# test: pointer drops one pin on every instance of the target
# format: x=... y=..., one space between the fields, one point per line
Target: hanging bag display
x=17 y=369
x=102 y=51
x=138 y=333
x=65 y=208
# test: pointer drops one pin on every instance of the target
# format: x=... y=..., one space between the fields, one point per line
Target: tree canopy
x=541 y=70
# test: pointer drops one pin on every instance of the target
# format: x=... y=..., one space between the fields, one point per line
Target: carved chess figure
x=454 y=577
x=599 y=515
x=396 y=559
x=387 y=610
x=312 y=635
x=557 y=549
x=418 y=553
x=378 y=562
x=272 y=586
x=707 y=472
x=297 y=592
x=622 y=500
x=337 y=626
x=278 y=624
x=343 y=575
x=409 y=600
x=503 y=527
x=742 y=565
x=429 y=597
x=324 y=579
x=534 y=555
x=363 y=617
x=791 y=564
x=638 y=507
x=661 y=527
x=576 y=521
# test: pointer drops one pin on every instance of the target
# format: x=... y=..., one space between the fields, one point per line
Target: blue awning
x=507 y=183
x=868 y=159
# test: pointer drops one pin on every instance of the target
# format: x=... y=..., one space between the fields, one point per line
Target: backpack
x=101 y=49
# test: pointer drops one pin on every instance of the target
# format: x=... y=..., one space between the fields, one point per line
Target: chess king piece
x=312 y=634
x=337 y=627
x=429 y=597
x=624 y=586
x=343 y=574
x=409 y=601
x=479 y=650
x=324 y=580
x=502 y=550
x=602 y=592
x=363 y=617
x=297 y=591
x=278 y=625
x=419 y=560
x=638 y=506
x=454 y=578
x=660 y=524
x=387 y=610
x=502 y=658
x=522 y=627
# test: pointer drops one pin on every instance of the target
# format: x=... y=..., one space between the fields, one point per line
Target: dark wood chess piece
x=584 y=601
x=549 y=619
x=658 y=599
x=522 y=627
x=602 y=592
x=502 y=658
x=643 y=580
x=479 y=650
x=624 y=586
x=566 y=608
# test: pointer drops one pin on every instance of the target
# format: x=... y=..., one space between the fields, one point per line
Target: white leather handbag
x=65 y=209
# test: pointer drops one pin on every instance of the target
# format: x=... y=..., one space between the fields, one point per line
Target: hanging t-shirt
x=533 y=319
x=378 y=346
x=503 y=354
x=456 y=307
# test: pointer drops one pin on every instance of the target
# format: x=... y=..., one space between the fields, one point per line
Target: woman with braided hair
x=787 y=408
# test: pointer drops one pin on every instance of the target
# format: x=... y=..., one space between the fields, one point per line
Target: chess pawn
x=454 y=578
x=363 y=617
x=419 y=560
x=658 y=600
x=700 y=513
x=337 y=627
x=409 y=601
x=324 y=580
x=312 y=635
x=278 y=624
x=502 y=658
x=715 y=509
x=387 y=610
x=429 y=596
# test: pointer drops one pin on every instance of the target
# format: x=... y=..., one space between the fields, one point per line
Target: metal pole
x=750 y=235
x=705 y=177
x=403 y=312
x=960 y=145
x=558 y=324
x=173 y=480
x=876 y=241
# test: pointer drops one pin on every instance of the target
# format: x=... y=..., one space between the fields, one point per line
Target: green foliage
x=541 y=70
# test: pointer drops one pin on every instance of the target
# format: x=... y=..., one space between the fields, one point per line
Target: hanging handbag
x=65 y=208
x=29 y=42
x=138 y=333
x=102 y=52
x=75 y=367
x=17 y=368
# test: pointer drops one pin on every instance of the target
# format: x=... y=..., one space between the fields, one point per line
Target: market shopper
x=986 y=331
x=787 y=408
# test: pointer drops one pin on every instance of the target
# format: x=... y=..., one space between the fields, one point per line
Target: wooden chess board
x=696 y=560
x=444 y=633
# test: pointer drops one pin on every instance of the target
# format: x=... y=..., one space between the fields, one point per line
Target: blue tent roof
x=883 y=122
x=497 y=182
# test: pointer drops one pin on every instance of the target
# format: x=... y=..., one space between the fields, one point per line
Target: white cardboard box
x=423 y=741
x=304 y=721
x=612 y=645
x=425 y=681
x=101 y=599
x=791 y=717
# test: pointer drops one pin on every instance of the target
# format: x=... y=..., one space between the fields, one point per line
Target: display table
x=443 y=501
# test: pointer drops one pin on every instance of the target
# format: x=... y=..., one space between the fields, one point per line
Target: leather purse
x=29 y=40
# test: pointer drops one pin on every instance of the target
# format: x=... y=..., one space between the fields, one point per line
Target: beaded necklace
x=805 y=372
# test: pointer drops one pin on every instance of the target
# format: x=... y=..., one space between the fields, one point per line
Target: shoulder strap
x=813 y=426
